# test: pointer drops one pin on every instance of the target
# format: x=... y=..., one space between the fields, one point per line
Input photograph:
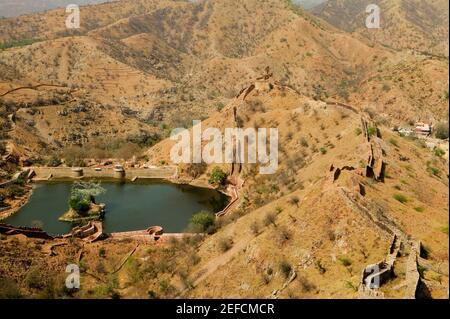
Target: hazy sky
x=11 y=8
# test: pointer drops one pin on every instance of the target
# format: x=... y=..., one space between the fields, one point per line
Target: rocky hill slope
x=349 y=193
x=405 y=24
x=160 y=63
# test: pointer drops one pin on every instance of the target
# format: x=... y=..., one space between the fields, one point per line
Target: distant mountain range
x=13 y=8
x=405 y=24
x=308 y=4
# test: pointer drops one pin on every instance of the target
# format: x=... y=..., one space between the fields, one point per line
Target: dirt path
x=131 y=253
x=31 y=88
x=220 y=260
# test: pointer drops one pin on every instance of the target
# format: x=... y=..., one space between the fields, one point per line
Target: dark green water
x=129 y=206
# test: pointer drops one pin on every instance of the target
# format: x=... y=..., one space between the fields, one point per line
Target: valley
x=359 y=192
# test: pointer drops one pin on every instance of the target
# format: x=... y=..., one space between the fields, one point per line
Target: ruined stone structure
x=351 y=188
x=90 y=232
x=151 y=234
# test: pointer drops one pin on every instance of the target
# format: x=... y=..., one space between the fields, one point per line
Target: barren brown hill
x=405 y=24
x=168 y=62
x=337 y=215
x=345 y=195
x=348 y=193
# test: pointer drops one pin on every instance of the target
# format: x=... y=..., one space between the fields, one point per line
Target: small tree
x=269 y=219
x=294 y=200
x=195 y=170
x=285 y=268
x=441 y=131
x=203 y=221
x=218 y=176
x=54 y=161
x=83 y=194
x=372 y=131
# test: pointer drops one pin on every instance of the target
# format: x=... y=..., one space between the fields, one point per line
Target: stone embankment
x=232 y=191
x=48 y=173
x=90 y=232
x=93 y=231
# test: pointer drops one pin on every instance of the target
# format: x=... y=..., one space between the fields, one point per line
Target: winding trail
x=35 y=87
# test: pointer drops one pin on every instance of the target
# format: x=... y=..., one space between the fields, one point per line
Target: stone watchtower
x=262 y=83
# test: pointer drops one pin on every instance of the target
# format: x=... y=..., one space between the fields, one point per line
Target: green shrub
x=254 y=227
x=19 y=43
x=102 y=252
x=306 y=285
x=372 y=131
x=269 y=219
x=82 y=195
x=303 y=142
x=294 y=200
x=33 y=279
x=419 y=209
x=320 y=267
x=14 y=191
x=220 y=106
x=282 y=236
x=434 y=171
x=152 y=294
x=441 y=131
x=401 y=198
x=218 y=176
x=439 y=152
x=393 y=141
x=9 y=289
x=350 y=285
x=345 y=261
x=225 y=244
x=166 y=288
x=54 y=162
x=202 y=221
x=421 y=270
x=285 y=268
x=79 y=204
x=194 y=259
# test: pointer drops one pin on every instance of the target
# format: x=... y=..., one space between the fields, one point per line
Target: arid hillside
x=347 y=194
x=418 y=25
x=164 y=63
x=12 y=8
x=322 y=208
x=351 y=191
